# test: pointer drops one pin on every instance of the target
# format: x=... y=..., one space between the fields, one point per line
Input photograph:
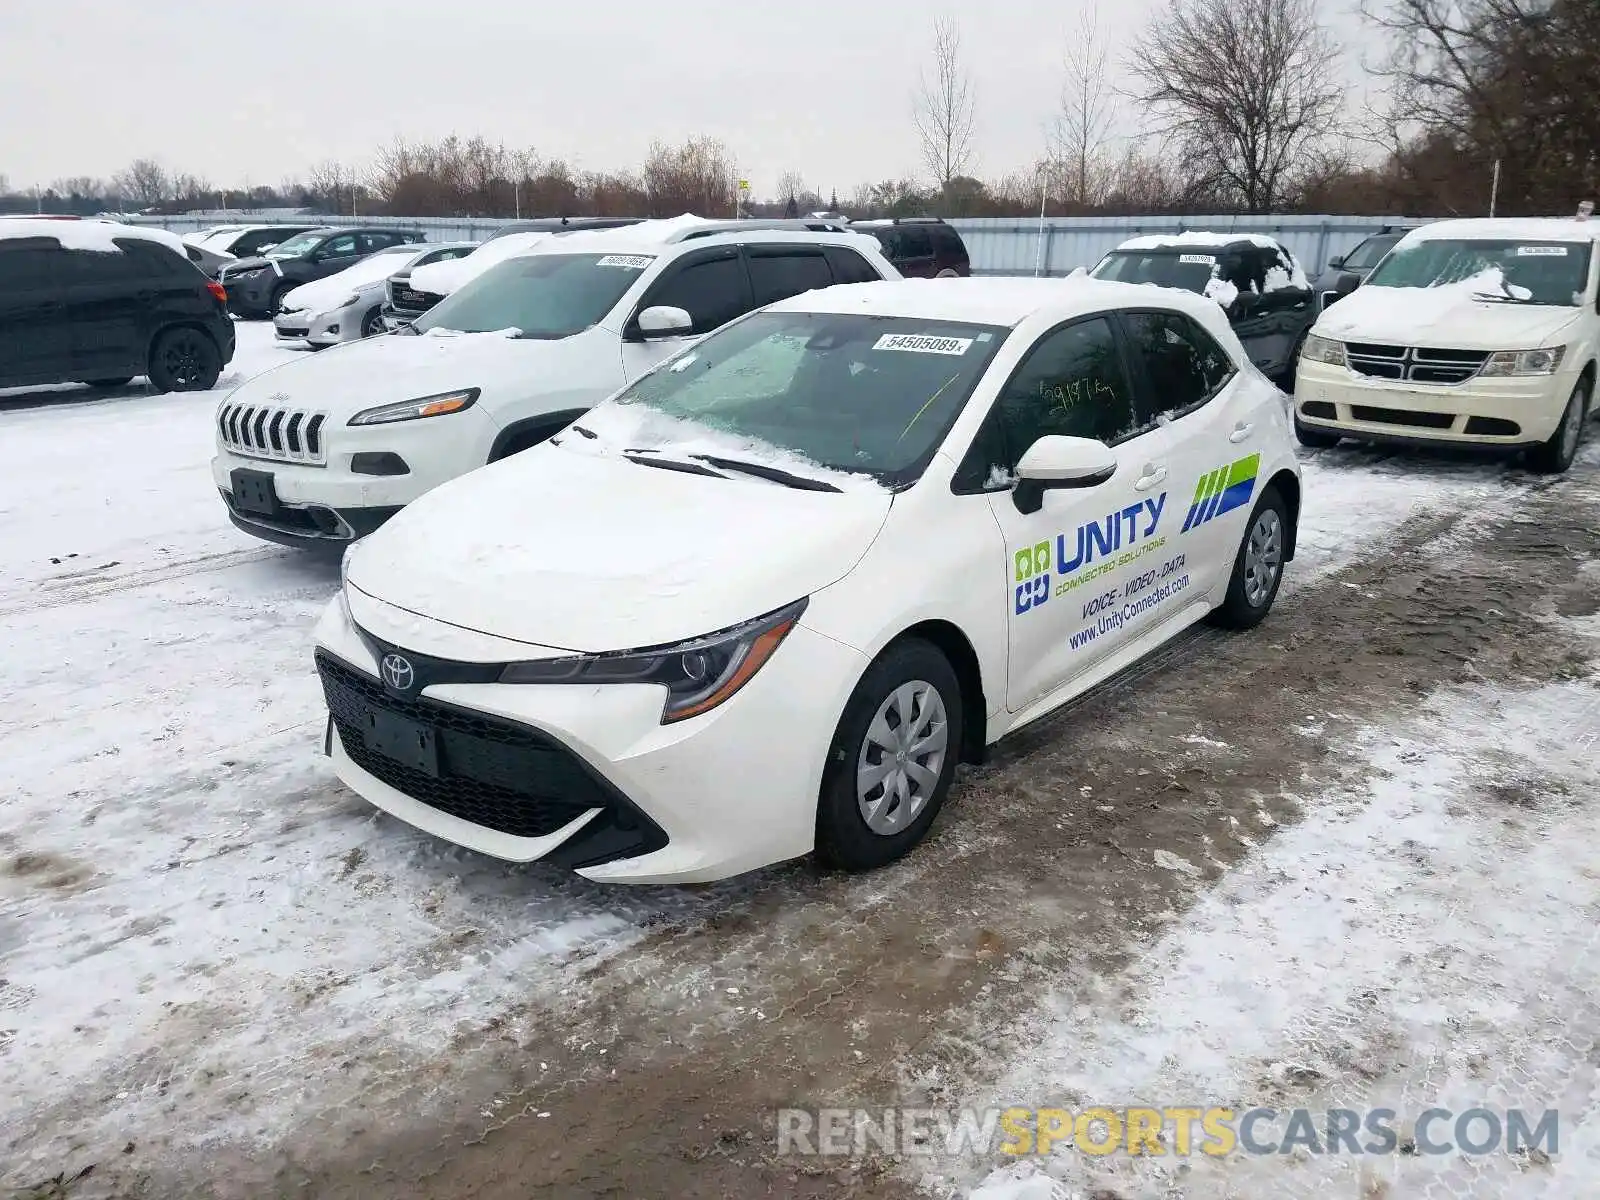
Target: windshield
x=1365 y=256
x=858 y=394
x=540 y=295
x=1168 y=268
x=1531 y=272
x=295 y=246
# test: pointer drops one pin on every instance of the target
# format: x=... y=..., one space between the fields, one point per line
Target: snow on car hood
x=1448 y=315
x=367 y=275
x=588 y=552
x=343 y=380
x=442 y=278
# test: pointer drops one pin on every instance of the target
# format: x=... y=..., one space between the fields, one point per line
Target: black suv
x=403 y=303
x=105 y=316
x=919 y=247
x=256 y=286
x=1254 y=279
x=1358 y=263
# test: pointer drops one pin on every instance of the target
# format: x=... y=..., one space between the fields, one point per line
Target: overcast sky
x=254 y=93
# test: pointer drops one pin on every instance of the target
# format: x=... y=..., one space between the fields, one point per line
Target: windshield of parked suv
x=539 y=295
x=1365 y=256
x=1513 y=269
x=1190 y=270
x=300 y=244
x=854 y=393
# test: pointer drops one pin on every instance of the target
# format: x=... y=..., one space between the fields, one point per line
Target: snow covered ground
x=202 y=936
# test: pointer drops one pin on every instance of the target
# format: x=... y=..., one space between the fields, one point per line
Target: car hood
x=1443 y=316
x=240 y=265
x=325 y=294
x=343 y=380
x=586 y=552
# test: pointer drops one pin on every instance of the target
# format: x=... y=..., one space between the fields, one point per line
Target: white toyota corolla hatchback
x=765 y=598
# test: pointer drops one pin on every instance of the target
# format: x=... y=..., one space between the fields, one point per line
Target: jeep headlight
x=1323 y=350
x=1523 y=362
x=410 y=410
x=698 y=674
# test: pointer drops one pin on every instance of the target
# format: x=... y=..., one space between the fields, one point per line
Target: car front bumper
x=316 y=504
x=1505 y=412
x=319 y=328
x=587 y=777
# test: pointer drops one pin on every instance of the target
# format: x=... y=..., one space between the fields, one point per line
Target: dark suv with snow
x=256 y=286
x=919 y=247
x=106 y=306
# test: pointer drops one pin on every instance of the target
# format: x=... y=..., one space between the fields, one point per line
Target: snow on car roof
x=1533 y=229
x=89 y=234
x=1197 y=237
x=991 y=300
x=655 y=236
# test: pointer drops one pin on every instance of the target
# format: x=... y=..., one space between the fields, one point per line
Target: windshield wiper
x=762 y=471
x=669 y=464
x=1497 y=298
x=588 y=433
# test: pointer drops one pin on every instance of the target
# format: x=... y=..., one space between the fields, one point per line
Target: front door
x=1069 y=563
x=108 y=297
x=334 y=255
x=711 y=286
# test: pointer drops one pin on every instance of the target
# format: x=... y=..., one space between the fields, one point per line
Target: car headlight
x=352 y=298
x=698 y=674
x=1523 y=362
x=1323 y=350
x=411 y=410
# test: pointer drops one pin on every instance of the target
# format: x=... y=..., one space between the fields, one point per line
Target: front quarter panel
x=938 y=557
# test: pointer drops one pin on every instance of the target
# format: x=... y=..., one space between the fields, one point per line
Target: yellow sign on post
x=744 y=185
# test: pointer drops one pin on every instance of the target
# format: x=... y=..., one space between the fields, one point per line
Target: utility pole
x=1494 y=188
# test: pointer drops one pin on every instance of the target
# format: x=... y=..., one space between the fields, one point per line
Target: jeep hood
x=343 y=380
x=586 y=552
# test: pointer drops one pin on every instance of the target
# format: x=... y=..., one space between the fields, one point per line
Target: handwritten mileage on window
x=1074 y=394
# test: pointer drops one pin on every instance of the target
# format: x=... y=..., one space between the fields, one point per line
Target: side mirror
x=1055 y=462
x=1336 y=263
x=664 y=321
x=1346 y=283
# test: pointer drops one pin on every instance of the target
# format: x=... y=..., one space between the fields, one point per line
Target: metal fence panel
x=997 y=245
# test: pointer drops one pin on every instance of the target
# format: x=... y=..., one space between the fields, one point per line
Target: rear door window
x=1181 y=365
x=913 y=241
x=776 y=274
x=850 y=267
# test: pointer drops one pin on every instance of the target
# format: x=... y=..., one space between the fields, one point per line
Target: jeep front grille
x=282 y=434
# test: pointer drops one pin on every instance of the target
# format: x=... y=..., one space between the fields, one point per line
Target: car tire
x=275 y=301
x=947 y=273
x=119 y=381
x=1314 y=439
x=184 y=360
x=1556 y=455
x=1258 y=566
x=872 y=808
x=372 y=323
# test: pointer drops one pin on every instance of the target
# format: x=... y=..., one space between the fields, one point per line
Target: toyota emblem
x=398 y=672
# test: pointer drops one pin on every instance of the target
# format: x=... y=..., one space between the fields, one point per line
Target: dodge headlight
x=1523 y=362
x=410 y=410
x=698 y=674
x=1323 y=350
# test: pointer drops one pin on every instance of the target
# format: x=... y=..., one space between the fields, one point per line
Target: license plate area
x=408 y=742
x=254 y=492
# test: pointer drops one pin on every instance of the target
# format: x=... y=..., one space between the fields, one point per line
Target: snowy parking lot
x=1344 y=861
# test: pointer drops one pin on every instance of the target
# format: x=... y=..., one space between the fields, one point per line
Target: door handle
x=1153 y=475
x=1241 y=431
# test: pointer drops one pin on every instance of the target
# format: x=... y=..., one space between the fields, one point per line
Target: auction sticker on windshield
x=1204 y=260
x=919 y=344
x=631 y=262
x=1556 y=251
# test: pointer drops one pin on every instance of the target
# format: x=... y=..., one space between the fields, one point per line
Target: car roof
x=1199 y=238
x=995 y=301
x=662 y=238
x=1547 y=229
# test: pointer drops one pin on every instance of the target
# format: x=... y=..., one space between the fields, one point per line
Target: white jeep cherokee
x=324 y=450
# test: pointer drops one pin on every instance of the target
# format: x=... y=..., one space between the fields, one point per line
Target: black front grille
x=1320 y=408
x=1419 y=364
x=498 y=774
x=405 y=298
x=1492 y=427
x=1400 y=416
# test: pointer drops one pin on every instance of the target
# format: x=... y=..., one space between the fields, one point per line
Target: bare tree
x=1246 y=90
x=696 y=177
x=943 y=108
x=143 y=183
x=1088 y=115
